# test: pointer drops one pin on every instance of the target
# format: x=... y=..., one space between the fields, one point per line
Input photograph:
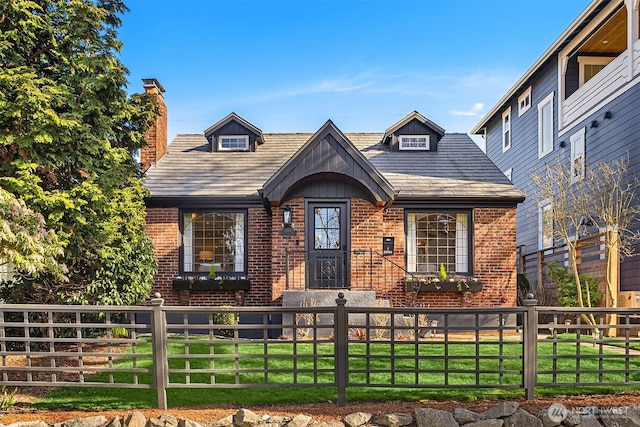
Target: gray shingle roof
x=459 y=170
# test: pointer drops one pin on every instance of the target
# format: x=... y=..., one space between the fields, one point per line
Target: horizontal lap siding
x=613 y=138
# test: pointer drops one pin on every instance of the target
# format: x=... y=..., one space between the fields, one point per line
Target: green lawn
x=268 y=366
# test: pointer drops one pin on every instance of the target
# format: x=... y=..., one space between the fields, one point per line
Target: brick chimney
x=156 y=135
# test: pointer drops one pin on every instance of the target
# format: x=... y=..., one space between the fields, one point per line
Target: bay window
x=214 y=239
x=439 y=238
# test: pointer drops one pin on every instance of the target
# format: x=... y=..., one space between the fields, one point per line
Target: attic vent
x=414 y=142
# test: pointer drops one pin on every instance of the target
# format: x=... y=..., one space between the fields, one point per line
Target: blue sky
x=288 y=66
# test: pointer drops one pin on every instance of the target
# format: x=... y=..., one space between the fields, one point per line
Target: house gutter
x=553 y=49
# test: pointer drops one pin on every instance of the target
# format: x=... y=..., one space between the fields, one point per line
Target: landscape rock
x=164 y=420
x=300 y=420
x=624 y=416
x=29 y=424
x=502 y=410
x=185 y=422
x=224 y=422
x=465 y=416
x=85 y=422
x=428 y=417
x=522 y=418
x=115 y=422
x=357 y=419
x=246 y=418
x=493 y=422
x=546 y=421
x=135 y=419
x=393 y=420
x=328 y=424
x=588 y=421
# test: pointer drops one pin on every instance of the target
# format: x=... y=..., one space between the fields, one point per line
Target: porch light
x=287 y=222
x=286 y=216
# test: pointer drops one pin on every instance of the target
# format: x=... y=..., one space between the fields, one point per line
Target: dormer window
x=413 y=142
x=233 y=142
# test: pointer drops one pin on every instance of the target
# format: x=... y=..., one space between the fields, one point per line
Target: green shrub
x=567 y=293
x=7 y=400
x=224 y=318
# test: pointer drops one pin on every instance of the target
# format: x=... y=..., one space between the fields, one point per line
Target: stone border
x=504 y=414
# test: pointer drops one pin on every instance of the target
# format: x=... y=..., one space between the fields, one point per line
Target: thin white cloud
x=474 y=111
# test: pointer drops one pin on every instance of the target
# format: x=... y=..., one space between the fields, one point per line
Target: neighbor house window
x=577 y=155
x=524 y=101
x=506 y=129
x=214 y=239
x=438 y=238
x=233 y=142
x=545 y=225
x=545 y=126
x=589 y=66
x=414 y=142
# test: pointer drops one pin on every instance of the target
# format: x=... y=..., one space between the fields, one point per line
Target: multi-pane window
x=545 y=126
x=213 y=239
x=234 y=142
x=524 y=101
x=438 y=238
x=414 y=142
x=545 y=225
x=327 y=228
x=506 y=129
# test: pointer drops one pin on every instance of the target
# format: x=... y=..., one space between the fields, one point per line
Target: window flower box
x=204 y=283
x=412 y=284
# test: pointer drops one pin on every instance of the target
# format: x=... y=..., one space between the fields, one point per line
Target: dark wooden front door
x=327 y=245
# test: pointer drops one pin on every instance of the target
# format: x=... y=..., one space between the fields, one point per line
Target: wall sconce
x=563 y=144
x=286 y=216
x=607 y=114
x=287 y=222
x=594 y=124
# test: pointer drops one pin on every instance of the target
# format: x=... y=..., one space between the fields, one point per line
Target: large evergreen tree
x=68 y=132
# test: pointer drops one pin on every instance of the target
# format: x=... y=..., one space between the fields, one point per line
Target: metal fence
x=343 y=347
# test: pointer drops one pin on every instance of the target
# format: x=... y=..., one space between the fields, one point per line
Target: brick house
x=271 y=215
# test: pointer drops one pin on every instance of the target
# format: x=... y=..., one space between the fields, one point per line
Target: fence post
x=159 y=340
x=341 y=334
x=530 y=346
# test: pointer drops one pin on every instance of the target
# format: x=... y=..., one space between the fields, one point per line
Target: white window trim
x=545 y=204
x=506 y=127
x=401 y=139
x=246 y=142
x=525 y=95
x=577 y=152
x=509 y=174
x=546 y=101
x=591 y=60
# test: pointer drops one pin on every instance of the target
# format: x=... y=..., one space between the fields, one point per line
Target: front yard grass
x=267 y=374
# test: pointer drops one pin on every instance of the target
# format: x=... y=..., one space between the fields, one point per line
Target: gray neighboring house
x=579 y=101
x=278 y=213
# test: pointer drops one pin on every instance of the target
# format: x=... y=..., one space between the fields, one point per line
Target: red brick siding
x=156 y=136
x=162 y=227
x=493 y=241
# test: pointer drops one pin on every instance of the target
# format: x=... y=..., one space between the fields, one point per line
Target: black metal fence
x=343 y=347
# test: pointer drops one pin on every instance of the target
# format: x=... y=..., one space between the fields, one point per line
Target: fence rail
x=163 y=347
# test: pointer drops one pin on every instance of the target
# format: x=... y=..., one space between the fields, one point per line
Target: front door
x=327 y=245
